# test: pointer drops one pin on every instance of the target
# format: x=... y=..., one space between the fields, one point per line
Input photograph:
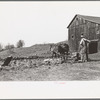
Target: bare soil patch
x=54 y=72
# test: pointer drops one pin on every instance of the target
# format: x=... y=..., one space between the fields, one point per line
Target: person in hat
x=83 y=48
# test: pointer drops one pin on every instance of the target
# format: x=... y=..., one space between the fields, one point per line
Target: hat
x=82 y=36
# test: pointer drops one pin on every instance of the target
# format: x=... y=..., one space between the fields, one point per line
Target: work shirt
x=83 y=45
x=83 y=40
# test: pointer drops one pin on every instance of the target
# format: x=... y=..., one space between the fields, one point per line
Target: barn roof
x=88 y=18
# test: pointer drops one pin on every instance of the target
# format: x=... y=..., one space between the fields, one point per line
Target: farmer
x=83 y=48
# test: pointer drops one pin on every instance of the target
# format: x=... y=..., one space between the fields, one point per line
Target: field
x=23 y=70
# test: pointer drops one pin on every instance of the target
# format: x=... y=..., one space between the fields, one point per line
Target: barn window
x=72 y=37
x=76 y=18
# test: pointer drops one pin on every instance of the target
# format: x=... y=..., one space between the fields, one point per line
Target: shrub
x=20 y=43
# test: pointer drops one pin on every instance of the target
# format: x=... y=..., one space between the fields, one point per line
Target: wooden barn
x=89 y=26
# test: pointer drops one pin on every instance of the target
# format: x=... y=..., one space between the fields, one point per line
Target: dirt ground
x=54 y=72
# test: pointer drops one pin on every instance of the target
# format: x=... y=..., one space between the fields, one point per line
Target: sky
x=38 y=22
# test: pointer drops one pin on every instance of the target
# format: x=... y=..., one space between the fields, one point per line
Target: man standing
x=83 y=48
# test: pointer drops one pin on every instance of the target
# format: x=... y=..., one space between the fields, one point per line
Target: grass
x=37 y=71
x=54 y=72
x=61 y=72
x=41 y=50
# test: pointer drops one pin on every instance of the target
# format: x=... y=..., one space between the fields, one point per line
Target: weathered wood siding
x=80 y=26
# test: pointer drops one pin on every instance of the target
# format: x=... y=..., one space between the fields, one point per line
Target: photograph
x=49 y=41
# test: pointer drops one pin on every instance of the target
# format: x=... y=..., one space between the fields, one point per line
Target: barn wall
x=76 y=29
x=71 y=39
x=80 y=26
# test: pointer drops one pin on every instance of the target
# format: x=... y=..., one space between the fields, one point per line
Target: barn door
x=93 y=47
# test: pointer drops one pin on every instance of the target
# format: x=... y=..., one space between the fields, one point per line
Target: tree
x=9 y=46
x=20 y=43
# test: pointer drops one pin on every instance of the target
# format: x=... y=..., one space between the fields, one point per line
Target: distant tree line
x=10 y=47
